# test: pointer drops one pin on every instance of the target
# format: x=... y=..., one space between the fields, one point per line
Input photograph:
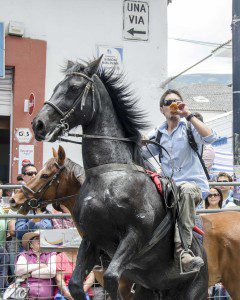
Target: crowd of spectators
x=24 y=268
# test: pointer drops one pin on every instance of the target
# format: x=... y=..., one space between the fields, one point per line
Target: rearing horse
x=118 y=209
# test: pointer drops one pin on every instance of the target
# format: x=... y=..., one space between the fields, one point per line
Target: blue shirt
x=23 y=226
x=186 y=164
x=228 y=200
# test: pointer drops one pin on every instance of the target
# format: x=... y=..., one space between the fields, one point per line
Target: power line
x=203 y=43
x=168 y=80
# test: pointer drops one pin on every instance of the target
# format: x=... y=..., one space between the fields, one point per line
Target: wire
x=164 y=83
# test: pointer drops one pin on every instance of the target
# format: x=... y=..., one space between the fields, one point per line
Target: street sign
x=31 y=103
x=2 y=50
x=135 y=20
x=23 y=135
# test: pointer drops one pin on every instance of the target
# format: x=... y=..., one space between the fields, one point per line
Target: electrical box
x=16 y=28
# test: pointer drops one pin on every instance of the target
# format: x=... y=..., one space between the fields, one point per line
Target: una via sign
x=135 y=20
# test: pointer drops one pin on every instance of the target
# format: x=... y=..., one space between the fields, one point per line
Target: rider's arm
x=202 y=133
x=202 y=128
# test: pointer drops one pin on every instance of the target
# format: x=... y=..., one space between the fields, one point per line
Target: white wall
x=72 y=30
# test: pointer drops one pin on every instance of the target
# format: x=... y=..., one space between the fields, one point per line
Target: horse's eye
x=44 y=176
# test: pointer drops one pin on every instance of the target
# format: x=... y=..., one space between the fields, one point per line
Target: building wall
x=72 y=29
x=28 y=58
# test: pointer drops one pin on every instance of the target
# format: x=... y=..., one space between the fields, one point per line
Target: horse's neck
x=101 y=151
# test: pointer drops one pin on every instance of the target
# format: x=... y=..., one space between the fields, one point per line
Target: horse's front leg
x=86 y=259
x=123 y=255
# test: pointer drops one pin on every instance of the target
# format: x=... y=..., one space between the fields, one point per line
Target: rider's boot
x=189 y=262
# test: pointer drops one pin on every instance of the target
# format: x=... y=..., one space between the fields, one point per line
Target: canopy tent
x=223 y=162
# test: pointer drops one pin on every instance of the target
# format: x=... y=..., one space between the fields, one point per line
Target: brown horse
x=221 y=240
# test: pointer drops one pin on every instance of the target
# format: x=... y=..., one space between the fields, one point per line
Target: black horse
x=119 y=208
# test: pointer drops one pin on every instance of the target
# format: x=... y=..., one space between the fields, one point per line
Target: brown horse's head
x=60 y=177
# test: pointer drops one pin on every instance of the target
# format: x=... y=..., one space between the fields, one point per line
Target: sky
x=202 y=20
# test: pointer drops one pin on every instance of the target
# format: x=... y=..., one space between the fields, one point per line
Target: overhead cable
x=169 y=79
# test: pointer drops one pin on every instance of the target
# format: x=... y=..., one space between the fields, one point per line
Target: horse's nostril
x=40 y=127
x=12 y=201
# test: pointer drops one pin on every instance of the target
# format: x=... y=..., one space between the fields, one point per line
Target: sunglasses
x=170 y=101
x=30 y=173
x=213 y=195
x=222 y=181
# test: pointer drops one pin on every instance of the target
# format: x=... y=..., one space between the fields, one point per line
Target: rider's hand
x=183 y=110
x=143 y=138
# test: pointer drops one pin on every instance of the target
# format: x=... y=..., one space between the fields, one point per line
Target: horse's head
x=58 y=178
x=72 y=103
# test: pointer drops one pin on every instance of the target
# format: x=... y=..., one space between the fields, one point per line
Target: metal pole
x=236 y=91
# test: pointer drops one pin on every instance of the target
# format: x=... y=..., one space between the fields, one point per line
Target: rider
x=188 y=171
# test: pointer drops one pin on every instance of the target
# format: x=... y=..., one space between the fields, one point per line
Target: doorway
x=4 y=148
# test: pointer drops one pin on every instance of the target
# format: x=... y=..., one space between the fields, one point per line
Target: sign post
x=236 y=90
x=135 y=20
x=2 y=50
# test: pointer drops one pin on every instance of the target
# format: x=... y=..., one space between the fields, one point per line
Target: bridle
x=35 y=201
x=64 y=125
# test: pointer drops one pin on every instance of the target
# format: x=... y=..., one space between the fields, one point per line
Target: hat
x=25 y=162
x=27 y=237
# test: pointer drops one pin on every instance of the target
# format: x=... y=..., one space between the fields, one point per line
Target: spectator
x=226 y=190
x=219 y=292
x=20 y=179
x=63 y=223
x=13 y=244
x=23 y=226
x=6 y=196
x=38 y=268
x=4 y=257
x=215 y=199
x=29 y=171
x=65 y=264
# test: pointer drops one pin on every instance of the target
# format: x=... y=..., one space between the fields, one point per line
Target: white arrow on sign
x=135 y=20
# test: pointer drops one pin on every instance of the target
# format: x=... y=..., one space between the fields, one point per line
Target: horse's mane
x=124 y=102
x=73 y=168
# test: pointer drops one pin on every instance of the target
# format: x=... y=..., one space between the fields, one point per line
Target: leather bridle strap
x=81 y=99
x=35 y=200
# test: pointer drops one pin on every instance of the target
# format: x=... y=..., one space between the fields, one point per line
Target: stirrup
x=182 y=272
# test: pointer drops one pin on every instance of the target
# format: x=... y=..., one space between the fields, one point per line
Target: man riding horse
x=188 y=174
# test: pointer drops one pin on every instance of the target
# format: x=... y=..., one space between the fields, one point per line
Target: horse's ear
x=69 y=64
x=92 y=68
x=61 y=155
x=54 y=152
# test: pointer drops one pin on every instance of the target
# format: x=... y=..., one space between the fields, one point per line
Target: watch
x=189 y=117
